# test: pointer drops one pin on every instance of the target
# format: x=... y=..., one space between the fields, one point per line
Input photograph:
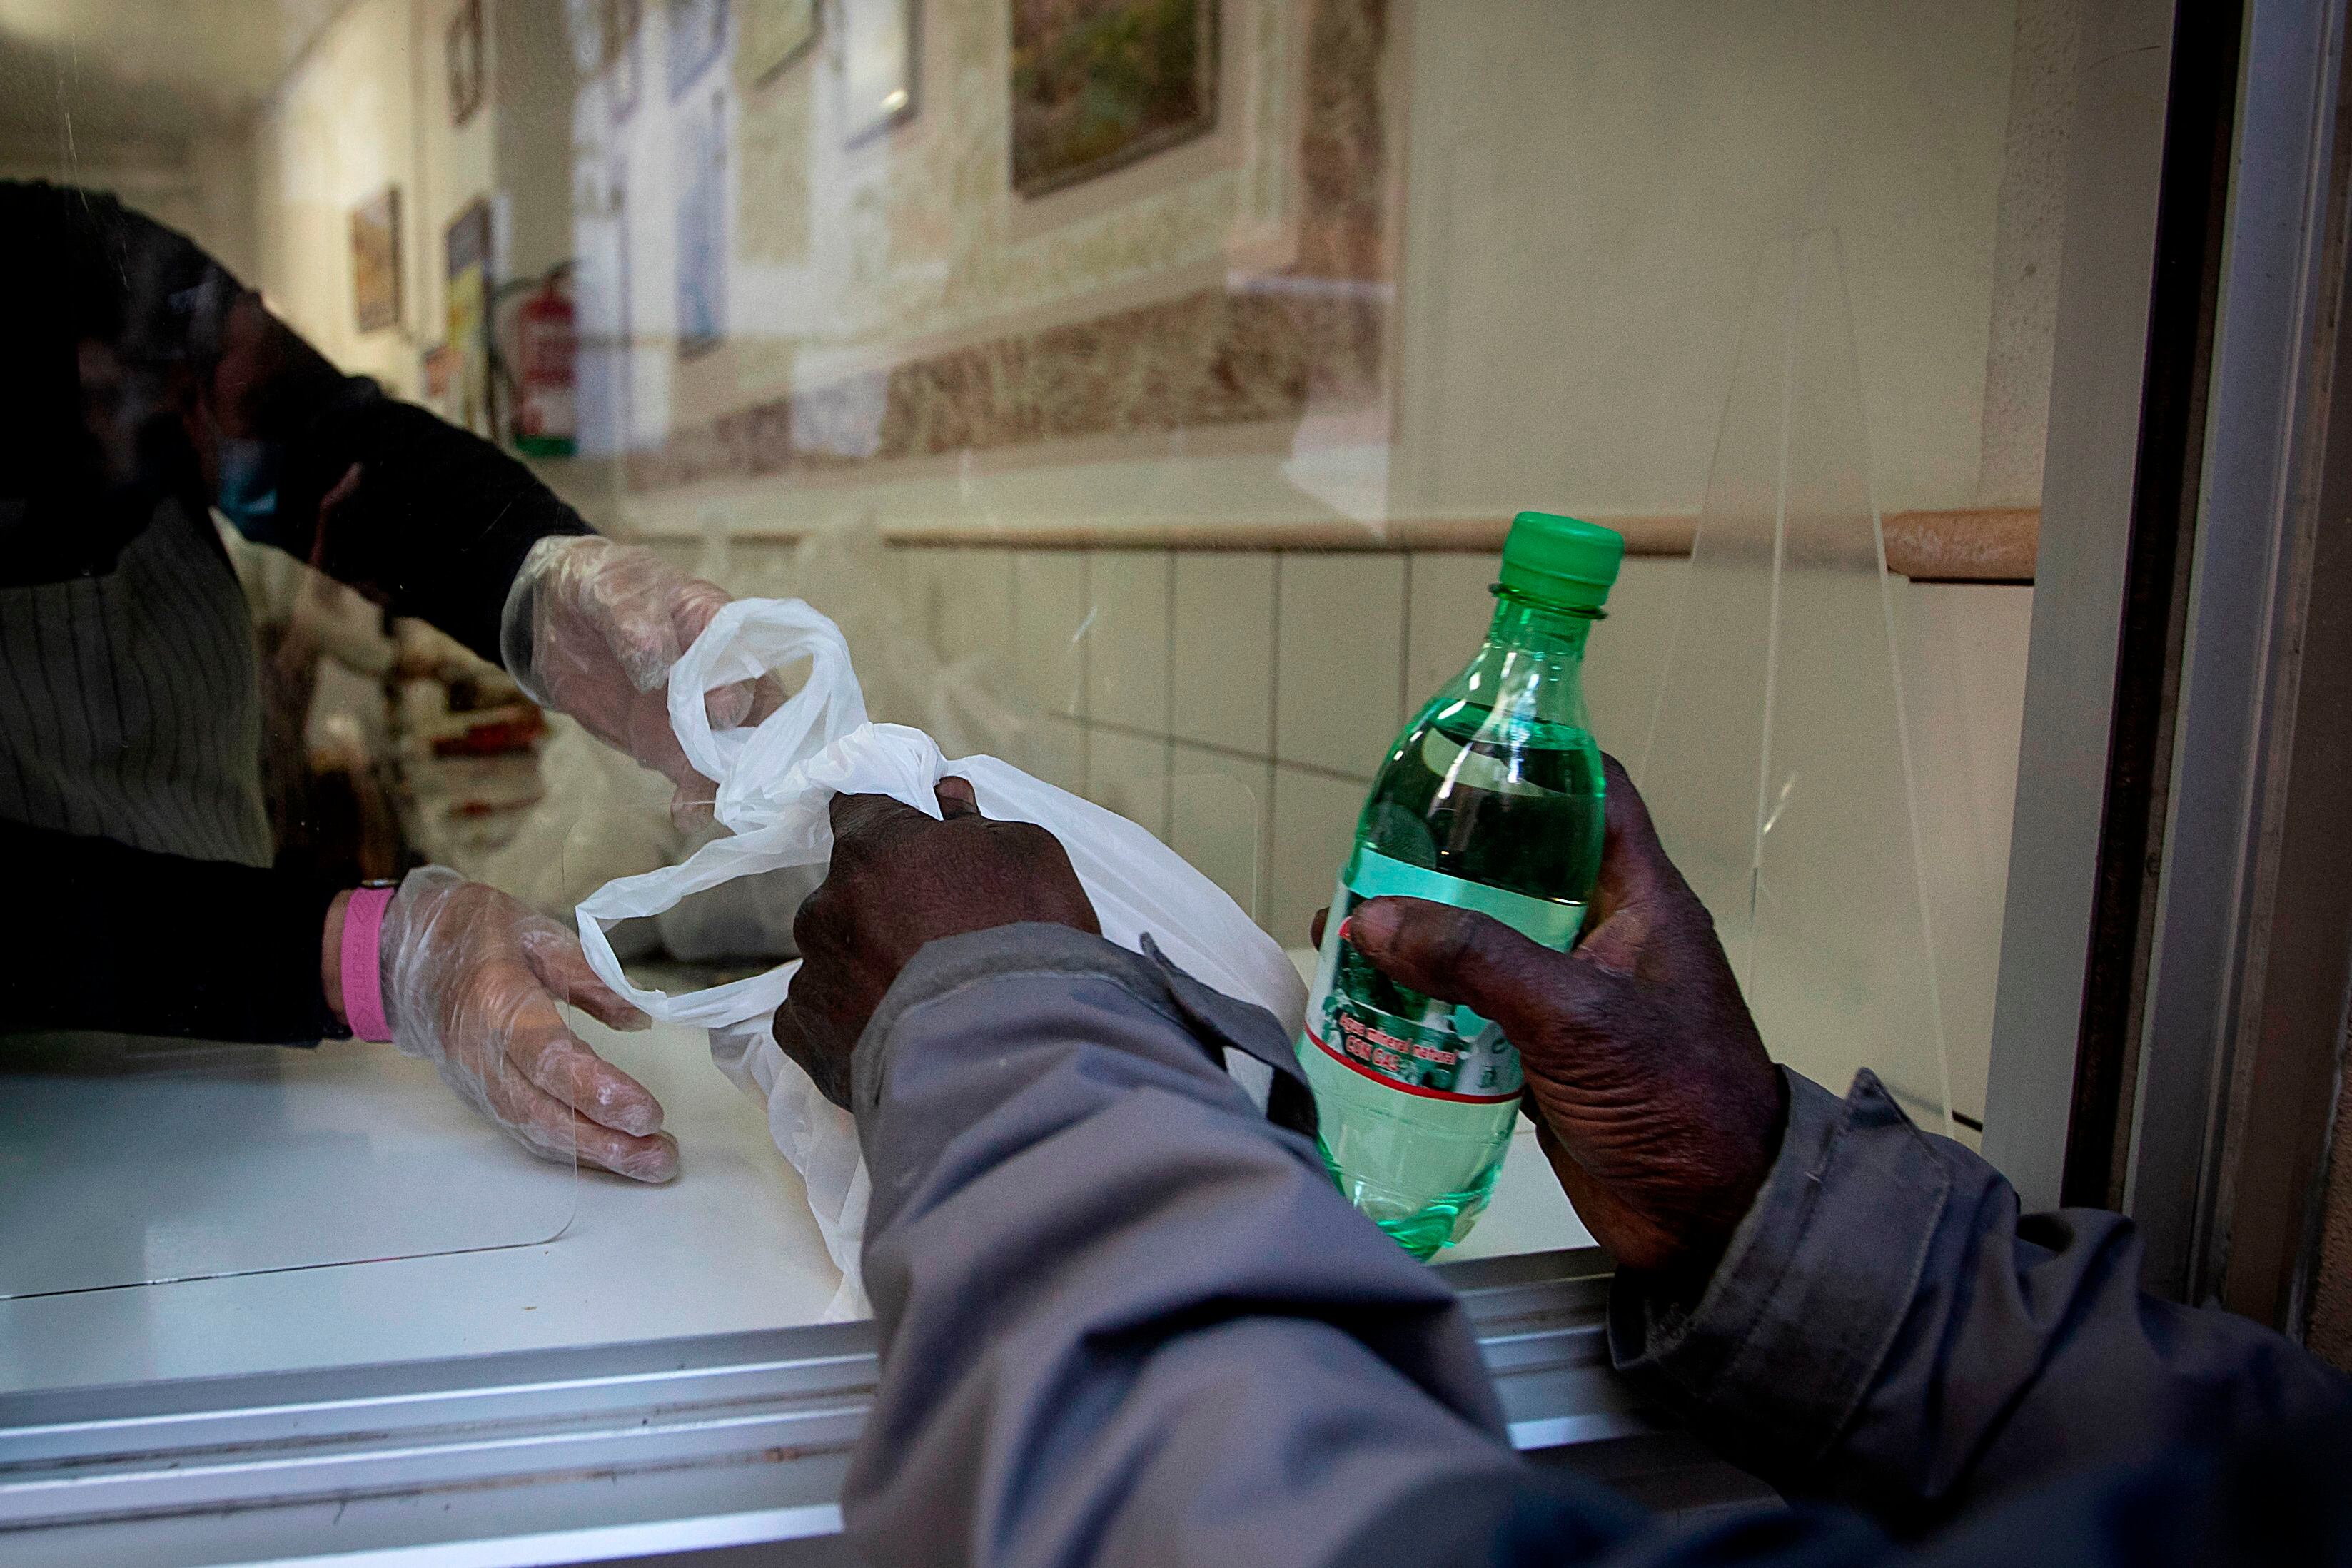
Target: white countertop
x=317 y=1158
x=728 y=1246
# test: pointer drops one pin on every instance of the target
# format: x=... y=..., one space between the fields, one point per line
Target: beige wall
x=2029 y=246
x=367 y=104
x=1591 y=188
x=340 y=128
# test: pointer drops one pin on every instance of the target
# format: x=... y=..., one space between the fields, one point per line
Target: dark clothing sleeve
x=127 y=939
x=434 y=523
x=136 y=367
x=1886 y=1328
x=134 y=370
x=1123 y=1318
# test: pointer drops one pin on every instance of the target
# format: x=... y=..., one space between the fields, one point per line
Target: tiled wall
x=1233 y=702
x=1236 y=703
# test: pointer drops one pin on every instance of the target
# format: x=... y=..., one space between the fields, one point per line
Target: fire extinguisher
x=546 y=353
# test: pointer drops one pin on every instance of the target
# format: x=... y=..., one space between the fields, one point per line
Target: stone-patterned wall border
x=1309 y=339
x=1209 y=358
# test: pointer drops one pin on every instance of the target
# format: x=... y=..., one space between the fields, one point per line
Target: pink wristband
x=362 y=966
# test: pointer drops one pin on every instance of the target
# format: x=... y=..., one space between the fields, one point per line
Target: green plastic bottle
x=1490 y=799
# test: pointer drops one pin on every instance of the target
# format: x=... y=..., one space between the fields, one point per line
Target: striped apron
x=130 y=708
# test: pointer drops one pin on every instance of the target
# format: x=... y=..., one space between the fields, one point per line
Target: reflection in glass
x=1151 y=417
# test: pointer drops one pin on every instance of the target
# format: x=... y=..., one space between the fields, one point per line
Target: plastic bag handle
x=776 y=782
x=746 y=640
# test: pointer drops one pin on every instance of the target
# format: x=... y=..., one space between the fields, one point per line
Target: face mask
x=248 y=483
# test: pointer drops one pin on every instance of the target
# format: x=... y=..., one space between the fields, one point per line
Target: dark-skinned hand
x=1652 y=1094
x=899 y=880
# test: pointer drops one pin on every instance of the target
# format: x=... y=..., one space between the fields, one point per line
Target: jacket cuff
x=953 y=962
x=1790 y=1329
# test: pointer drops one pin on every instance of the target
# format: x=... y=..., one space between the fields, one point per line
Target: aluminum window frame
x=691 y=1445
x=2099 y=368
x=2137 y=1061
x=2243 y=1024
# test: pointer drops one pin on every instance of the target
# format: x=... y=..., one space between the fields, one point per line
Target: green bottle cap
x=1561 y=561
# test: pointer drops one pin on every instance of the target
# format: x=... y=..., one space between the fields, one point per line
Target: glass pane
x=223 y=704
x=1155 y=428
x=1779 y=769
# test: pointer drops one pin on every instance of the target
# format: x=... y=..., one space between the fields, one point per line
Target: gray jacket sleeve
x=1123 y=1317
x=1888 y=1329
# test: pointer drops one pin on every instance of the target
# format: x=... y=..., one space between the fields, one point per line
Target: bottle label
x=1437 y=1050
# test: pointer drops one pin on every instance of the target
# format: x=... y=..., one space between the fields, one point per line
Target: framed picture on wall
x=1098 y=84
x=770 y=34
x=698 y=35
x=878 y=65
x=702 y=227
x=465 y=63
x=375 y=261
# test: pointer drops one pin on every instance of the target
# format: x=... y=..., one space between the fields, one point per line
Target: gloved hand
x=470 y=983
x=590 y=629
x=898 y=880
x=1652 y=1096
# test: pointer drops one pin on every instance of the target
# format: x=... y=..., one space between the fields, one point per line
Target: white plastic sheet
x=776 y=783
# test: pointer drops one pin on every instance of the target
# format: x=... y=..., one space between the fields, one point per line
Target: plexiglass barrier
x=340 y=748
x=1777 y=767
x=1154 y=426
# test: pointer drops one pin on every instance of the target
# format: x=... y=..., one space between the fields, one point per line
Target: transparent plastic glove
x=590 y=629
x=471 y=979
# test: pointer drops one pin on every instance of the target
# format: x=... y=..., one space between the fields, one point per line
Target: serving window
x=1145 y=391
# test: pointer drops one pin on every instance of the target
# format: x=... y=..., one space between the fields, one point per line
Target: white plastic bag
x=776 y=784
